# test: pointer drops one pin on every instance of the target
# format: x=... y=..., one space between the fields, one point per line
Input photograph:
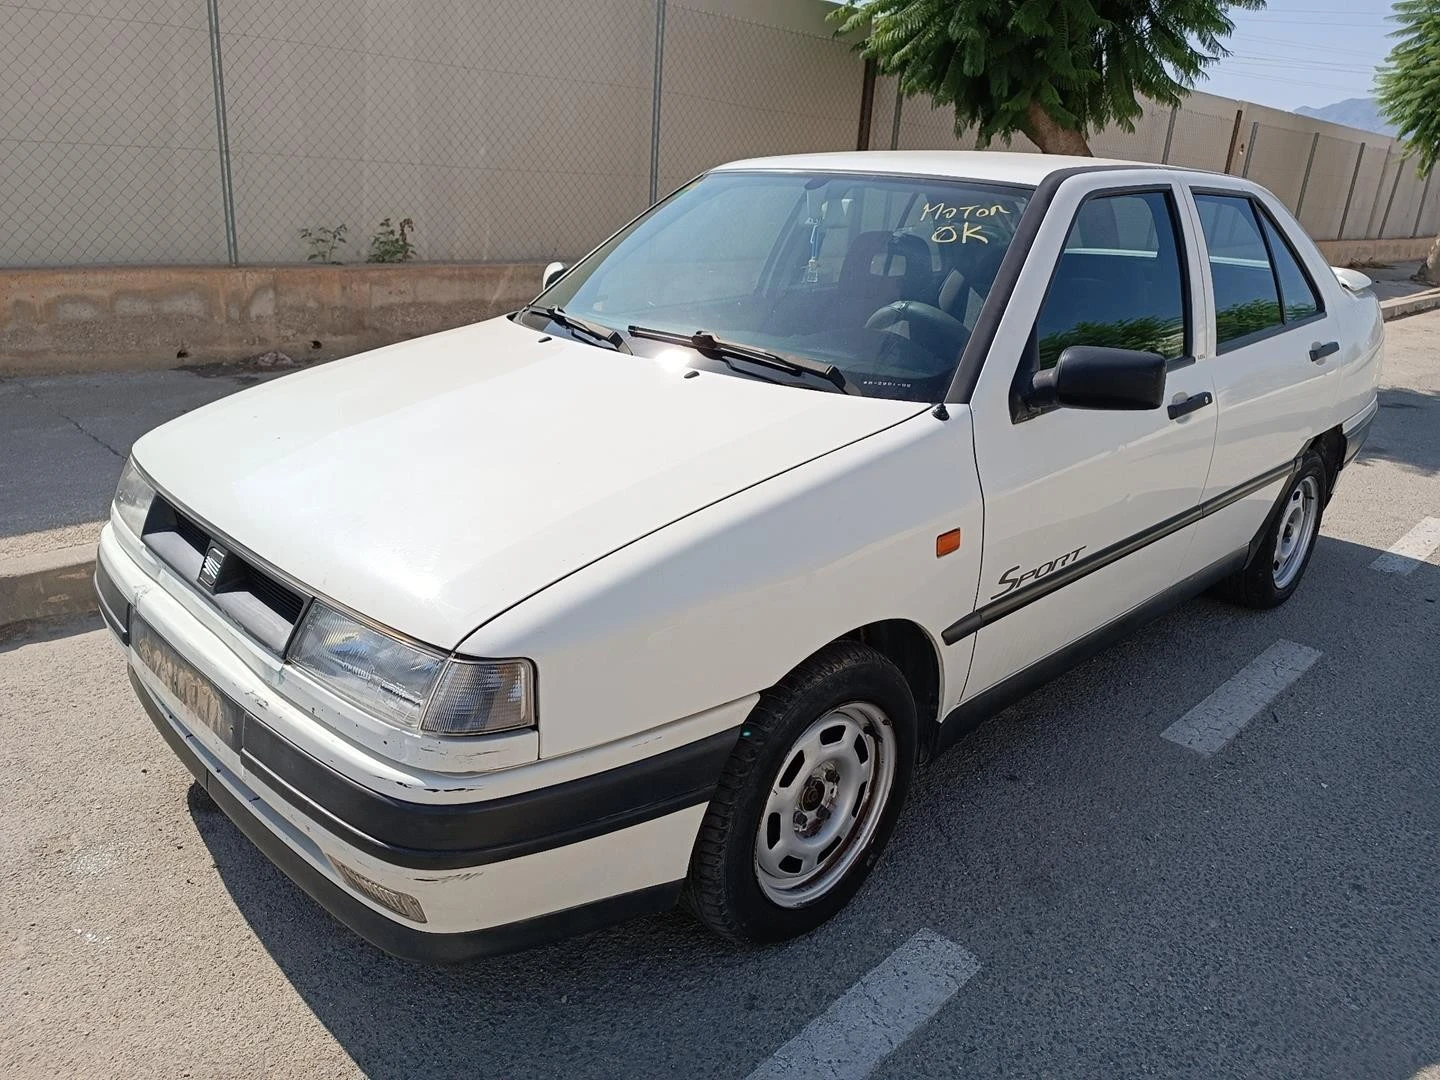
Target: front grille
x=253 y=599
x=284 y=602
x=191 y=533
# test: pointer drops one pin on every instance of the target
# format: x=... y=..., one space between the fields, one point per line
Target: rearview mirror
x=1096 y=377
x=551 y=274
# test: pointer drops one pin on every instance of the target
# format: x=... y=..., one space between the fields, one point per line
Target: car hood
x=433 y=484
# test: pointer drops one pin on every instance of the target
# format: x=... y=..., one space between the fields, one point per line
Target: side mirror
x=552 y=274
x=1097 y=377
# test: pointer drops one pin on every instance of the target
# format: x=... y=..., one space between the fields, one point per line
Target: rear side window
x=1259 y=283
x=1297 y=295
x=1118 y=282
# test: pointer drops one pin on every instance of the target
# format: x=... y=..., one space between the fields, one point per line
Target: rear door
x=1274 y=351
x=1088 y=513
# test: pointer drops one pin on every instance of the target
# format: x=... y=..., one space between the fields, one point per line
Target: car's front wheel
x=808 y=799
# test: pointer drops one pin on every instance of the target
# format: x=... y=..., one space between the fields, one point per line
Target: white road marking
x=877 y=1014
x=1410 y=550
x=1215 y=721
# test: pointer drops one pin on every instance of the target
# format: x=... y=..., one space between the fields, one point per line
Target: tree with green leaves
x=1409 y=86
x=1053 y=70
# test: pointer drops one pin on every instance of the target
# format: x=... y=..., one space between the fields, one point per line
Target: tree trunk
x=1050 y=137
x=1430 y=268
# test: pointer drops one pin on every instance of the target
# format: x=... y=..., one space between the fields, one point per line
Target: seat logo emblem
x=210 y=569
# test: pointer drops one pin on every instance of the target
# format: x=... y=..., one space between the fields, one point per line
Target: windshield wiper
x=600 y=332
x=702 y=341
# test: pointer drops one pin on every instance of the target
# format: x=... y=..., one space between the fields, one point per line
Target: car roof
x=994 y=165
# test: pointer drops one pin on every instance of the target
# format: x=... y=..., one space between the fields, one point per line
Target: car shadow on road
x=664 y=992
x=579 y=1007
x=1410 y=445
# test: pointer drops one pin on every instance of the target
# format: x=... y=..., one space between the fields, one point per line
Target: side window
x=1297 y=295
x=1118 y=282
x=1247 y=300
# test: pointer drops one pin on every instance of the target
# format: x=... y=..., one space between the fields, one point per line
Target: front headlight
x=410 y=686
x=133 y=496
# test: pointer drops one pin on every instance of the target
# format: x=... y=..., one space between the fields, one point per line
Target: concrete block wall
x=510 y=130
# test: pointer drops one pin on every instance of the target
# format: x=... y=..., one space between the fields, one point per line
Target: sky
x=1303 y=52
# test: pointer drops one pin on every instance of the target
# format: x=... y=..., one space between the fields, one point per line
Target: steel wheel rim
x=1297 y=529
x=825 y=803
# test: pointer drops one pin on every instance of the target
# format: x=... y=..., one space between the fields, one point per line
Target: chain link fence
x=212 y=131
x=107 y=134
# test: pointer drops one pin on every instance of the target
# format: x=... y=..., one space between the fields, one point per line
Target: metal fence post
x=1250 y=148
x=1385 y=218
x=1169 y=136
x=1349 y=195
x=1424 y=198
x=1305 y=182
x=867 y=106
x=895 y=123
x=1379 y=188
x=222 y=132
x=1234 y=140
x=655 y=100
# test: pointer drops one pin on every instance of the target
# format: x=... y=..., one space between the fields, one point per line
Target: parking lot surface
x=1212 y=851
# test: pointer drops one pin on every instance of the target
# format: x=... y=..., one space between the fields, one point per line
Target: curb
x=1401 y=306
x=48 y=585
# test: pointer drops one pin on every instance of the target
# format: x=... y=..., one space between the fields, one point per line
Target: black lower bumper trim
x=448 y=836
x=453 y=836
x=1355 y=438
x=394 y=937
x=114 y=608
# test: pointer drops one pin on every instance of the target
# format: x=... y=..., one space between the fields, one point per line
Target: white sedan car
x=661 y=587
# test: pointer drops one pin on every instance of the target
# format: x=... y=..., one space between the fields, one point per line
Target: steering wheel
x=930 y=320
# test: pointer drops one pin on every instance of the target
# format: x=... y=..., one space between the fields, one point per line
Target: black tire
x=1254 y=586
x=723 y=887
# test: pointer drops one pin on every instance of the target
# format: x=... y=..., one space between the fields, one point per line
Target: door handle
x=1319 y=352
x=1190 y=404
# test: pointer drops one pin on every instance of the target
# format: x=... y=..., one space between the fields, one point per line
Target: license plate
x=200 y=700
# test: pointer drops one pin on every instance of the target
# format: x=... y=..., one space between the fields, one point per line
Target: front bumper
x=379 y=929
x=486 y=876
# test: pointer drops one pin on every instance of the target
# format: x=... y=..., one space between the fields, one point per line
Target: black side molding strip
x=394 y=937
x=968 y=714
x=1058 y=579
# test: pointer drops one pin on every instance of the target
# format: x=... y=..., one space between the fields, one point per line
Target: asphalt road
x=1134 y=907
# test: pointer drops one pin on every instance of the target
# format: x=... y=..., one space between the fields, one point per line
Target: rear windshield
x=881 y=276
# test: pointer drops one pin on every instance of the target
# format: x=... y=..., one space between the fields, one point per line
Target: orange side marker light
x=946 y=543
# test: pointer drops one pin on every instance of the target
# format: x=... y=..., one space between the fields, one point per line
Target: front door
x=1088 y=513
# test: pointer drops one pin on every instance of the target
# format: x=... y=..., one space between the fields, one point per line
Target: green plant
x=1409 y=93
x=1147 y=333
x=391 y=243
x=323 y=242
x=1054 y=70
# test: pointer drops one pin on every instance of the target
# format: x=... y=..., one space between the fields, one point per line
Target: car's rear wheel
x=808 y=799
x=1282 y=555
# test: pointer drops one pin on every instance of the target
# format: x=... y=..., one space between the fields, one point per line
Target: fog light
x=401 y=903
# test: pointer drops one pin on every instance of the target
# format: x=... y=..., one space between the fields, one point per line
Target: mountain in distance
x=1357 y=112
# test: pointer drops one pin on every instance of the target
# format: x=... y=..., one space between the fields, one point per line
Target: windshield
x=881 y=276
